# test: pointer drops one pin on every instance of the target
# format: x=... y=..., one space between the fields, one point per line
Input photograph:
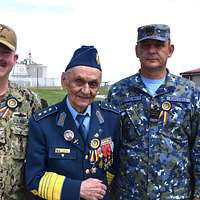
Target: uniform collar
x=135 y=81
x=14 y=90
x=74 y=112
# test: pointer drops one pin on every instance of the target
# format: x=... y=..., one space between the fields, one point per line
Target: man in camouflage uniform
x=16 y=106
x=160 y=152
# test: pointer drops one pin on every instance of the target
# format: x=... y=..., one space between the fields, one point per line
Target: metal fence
x=37 y=82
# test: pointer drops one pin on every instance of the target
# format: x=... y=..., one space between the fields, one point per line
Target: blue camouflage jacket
x=160 y=153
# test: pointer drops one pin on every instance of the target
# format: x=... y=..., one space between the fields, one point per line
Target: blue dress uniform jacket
x=160 y=150
x=57 y=157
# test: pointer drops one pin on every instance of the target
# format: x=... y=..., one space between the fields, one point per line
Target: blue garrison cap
x=87 y=56
x=159 y=32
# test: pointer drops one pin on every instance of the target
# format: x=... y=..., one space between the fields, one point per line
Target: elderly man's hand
x=92 y=189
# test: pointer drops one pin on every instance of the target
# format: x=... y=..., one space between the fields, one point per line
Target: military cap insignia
x=150 y=30
x=69 y=135
x=97 y=59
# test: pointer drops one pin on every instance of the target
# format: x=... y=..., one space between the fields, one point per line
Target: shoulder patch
x=108 y=106
x=45 y=112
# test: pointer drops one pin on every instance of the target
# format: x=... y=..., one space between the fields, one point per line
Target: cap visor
x=11 y=47
x=153 y=38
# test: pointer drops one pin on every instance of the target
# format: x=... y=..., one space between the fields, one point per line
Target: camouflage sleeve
x=36 y=102
x=196 y=147
x=112 y=96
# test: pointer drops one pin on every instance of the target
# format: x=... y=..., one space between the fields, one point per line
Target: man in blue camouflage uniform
x=68 y=159
x=160 y=154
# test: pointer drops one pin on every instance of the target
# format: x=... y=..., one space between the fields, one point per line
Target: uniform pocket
x=178 y=123
x=132 y=126
x=19 y=131
x=19 y=123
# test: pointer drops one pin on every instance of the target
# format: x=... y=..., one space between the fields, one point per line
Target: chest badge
x=95 y=143
x=69 y=135
x=166 y=107
x=12 y=103
x=8 y=105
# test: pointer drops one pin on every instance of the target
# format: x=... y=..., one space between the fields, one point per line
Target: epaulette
x=45 y=112
x=108 y=106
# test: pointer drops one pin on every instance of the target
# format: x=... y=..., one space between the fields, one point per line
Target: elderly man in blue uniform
x=160 y=152
x=72 y=146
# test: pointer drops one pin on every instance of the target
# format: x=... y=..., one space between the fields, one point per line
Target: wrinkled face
x=82 y=84
x=8 y=59
x=153 y=53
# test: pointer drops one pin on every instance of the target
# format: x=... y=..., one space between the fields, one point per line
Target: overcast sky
x=53 y=29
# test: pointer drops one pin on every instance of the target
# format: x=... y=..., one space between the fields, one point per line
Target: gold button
x=86 y=157
x=87 y=171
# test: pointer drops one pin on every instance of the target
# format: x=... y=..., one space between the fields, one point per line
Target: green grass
x=56 y=94
x=103 y=90
x=51 y=94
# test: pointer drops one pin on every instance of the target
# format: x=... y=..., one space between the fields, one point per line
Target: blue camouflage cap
x=159 y=32
x=85 y=56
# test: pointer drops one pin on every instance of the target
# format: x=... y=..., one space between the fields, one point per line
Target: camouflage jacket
x=160 y=153
x=15 y=111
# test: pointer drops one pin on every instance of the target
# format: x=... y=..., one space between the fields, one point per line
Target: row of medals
x=101 y=153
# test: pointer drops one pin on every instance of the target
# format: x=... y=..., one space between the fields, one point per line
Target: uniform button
x=87 y=171
x=86 y=157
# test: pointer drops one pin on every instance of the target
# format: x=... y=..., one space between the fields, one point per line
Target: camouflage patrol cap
x=159 y=32
x=85 y=56
x=8 y=37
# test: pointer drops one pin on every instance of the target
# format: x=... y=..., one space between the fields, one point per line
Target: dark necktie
x=81 y=128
